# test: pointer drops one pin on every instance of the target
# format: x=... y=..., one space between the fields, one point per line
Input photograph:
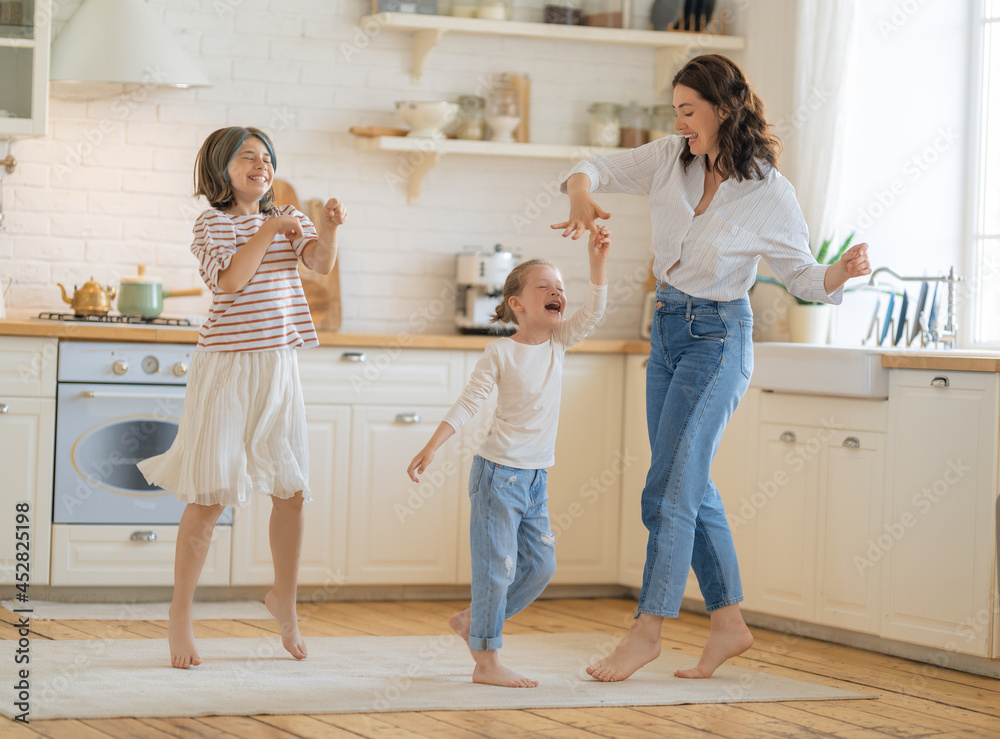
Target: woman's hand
x=334 y=214
x=852 y=263
x=855 y=261
x=583 y=210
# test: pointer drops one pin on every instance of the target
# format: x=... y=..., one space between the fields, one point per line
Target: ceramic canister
x=140 y=296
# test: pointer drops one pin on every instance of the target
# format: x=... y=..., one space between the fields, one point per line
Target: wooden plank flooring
x=915 y=700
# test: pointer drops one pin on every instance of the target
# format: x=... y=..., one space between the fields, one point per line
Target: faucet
x=949 y=333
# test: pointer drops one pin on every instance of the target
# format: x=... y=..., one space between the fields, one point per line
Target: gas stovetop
x=115 y=319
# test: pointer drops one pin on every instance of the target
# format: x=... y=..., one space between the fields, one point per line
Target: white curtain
x=813 y=134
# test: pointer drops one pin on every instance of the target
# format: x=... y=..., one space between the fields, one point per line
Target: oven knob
x=120 y=367
x=180 y=369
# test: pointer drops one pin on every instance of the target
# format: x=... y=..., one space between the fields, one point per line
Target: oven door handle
x=142 y=396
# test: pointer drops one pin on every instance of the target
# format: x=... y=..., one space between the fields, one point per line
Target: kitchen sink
x=820 y=370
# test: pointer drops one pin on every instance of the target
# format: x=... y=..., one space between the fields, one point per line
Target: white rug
x=116 y=678
x=239 y=610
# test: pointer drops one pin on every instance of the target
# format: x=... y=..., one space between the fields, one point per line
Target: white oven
x=116 y=404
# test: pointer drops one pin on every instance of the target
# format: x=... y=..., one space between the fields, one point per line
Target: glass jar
x=471 y=123
x=662 y=122
x=606 y=13
x=634 y=122
x=503 y=109
x=563 y=12
x=494 y=10
x=605 y=129
x=464 y=8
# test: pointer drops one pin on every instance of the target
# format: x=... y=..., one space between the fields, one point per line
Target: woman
x=718 y=205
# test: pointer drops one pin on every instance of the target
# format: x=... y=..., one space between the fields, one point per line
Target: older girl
x=242 y=432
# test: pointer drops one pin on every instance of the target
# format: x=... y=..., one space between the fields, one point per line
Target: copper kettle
x=89 y=300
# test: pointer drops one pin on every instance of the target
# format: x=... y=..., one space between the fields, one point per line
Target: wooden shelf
x=428 y=152
x=672 y=47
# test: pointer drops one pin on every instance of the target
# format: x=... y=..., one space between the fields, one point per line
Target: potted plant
x=808 y=321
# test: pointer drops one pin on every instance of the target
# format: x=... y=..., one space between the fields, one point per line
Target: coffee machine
x=480 y=276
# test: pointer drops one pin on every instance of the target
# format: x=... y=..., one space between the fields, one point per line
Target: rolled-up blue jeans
x=700 y=361
x=513 y=549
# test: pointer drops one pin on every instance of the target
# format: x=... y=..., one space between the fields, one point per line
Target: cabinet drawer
x=382 y=375
x=942 y=379
x=107 y=555
x=28 y=367
x=824 y=411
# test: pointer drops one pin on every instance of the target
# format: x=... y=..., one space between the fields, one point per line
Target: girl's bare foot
x=183 y=651
x=489 y=671
x=460 y=624
x=288 y=621
x=728 y=638
x=640 y=646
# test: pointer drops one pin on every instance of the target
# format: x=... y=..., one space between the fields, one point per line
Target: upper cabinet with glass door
x=25 y=27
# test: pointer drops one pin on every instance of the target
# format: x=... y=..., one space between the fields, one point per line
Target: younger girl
x=242 y=431
x=513 y=549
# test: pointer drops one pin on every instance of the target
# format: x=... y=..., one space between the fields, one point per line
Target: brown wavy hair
x=214 y=157
x=513 y=286
x=745 y=143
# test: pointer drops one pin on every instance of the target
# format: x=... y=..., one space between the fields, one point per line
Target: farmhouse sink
x=820 y=370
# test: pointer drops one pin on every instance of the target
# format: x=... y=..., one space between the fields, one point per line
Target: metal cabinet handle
x=788 y=436
x=940 y=381
x=407 y=418
x=353 y=357
x=852 y=442
x=4 y=408
x=143 y=536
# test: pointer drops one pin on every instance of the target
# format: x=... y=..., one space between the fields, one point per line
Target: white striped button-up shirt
x=717 y=252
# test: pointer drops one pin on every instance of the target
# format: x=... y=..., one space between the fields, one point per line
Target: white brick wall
x=109 y=186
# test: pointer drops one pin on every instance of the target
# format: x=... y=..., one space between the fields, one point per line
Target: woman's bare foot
x=460 y=624
x=489 y=671
x=288 y=621
x=640 y=646
x=183 y=651
x=729 y=637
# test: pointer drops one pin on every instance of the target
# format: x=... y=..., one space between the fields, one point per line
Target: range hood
x=121 y=42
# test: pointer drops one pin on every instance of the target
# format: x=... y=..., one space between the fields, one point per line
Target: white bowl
x=426 y=118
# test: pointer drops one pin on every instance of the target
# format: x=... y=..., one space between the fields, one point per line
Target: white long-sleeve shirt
x=717 y=252
x=528 y=379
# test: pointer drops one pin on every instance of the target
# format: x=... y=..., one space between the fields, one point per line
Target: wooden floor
x=915 y=700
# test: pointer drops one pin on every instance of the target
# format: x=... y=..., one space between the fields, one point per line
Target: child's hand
x=334 y=214
x=600 y=243
x=290 y=226
x=420 y=463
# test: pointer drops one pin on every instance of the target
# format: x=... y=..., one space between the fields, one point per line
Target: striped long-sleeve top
x=270 y=311
x=716 y=253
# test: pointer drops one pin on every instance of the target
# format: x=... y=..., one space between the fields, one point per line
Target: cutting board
x=322 y=291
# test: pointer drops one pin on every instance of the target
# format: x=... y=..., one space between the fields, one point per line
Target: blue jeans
x=513 y=548
x=700 y=362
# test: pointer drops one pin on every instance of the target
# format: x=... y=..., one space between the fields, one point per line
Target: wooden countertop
x=189 y=335
x=945 y=360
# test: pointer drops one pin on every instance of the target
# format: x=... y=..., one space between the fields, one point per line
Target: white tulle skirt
x=242 y=431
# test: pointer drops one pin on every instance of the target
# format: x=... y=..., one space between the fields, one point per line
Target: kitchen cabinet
x=130 y=555
x=671 y=48
x=24 y=59
x=27 y=440
x=731 y=471
x=815 y=505
x=937 y=549
x=584 y=486
x=401 y=532
x=323 y=563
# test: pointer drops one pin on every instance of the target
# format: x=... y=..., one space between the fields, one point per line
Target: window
x=986 y=229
